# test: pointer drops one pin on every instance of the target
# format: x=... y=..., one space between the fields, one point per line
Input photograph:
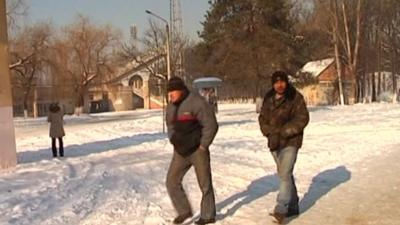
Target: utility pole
x=168 y=48
x=168 y=45
x=176 y=22
x=8 y=155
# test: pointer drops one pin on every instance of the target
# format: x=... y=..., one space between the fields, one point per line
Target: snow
x=316 y=67
x=115 y=168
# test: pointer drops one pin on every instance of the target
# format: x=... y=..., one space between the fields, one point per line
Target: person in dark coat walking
x=192 y=127
x=282 y=119
x=55 y=118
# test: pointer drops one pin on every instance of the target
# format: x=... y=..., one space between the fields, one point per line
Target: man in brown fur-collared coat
x=282 y=119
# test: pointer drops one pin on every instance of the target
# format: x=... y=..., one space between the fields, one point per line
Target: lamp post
x=167 y=45
x=165 y=97
x=161 y=84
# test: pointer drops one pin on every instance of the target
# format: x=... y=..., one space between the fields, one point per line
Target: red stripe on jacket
x=184 y=118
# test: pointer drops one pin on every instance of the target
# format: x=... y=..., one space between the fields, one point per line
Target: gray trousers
x=285 y=160
x=200 y=160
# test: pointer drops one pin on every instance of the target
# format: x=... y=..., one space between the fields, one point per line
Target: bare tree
x=335 y=37
x=345 y=19
x=153 y=43
x=28 y=52
x=154 y=40
x=15 y=10
x=352 y=47
x=391 y=43
x=84 y=54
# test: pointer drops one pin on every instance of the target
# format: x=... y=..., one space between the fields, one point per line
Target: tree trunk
x=352 y=54
x=34 y=105
x=367 y=84
x=379 y=34
x=335 y=34
x=367 y=89
x=373 y=81
x=394 y=80
x=79 y=102
x=26 y=99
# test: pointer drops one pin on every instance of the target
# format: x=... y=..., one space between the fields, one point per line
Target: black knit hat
x=279 y=75
x=176 y=83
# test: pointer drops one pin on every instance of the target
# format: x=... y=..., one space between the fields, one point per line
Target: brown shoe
x=279 y=217
x=181 y=218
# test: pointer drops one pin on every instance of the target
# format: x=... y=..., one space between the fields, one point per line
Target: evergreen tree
x=244 y=41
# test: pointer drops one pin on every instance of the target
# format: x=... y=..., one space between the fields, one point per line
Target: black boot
x=60 y=141
x=205 y=221
x=293 y=211
x=53 y=147
x=181 y=218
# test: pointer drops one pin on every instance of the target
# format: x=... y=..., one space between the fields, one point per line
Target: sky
x=119 y=13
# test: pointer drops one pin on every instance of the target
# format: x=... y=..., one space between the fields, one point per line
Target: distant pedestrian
x=213 y=100
x=55 y=118
x=192 y=127
x=282 y=119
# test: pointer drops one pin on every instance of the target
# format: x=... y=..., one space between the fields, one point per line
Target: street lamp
x=168 y=48
x=165 y=97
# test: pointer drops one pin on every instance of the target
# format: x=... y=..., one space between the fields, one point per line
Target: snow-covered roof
x=315 y=68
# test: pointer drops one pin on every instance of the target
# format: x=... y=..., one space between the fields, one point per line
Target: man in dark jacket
x=192 y=127
x=282 y=119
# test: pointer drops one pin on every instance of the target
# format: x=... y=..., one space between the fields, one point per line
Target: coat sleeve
x=299 y=121
x=265 y=126
x=207 y=119
x=169 y=120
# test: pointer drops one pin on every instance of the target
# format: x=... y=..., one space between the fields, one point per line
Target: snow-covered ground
x=116 y=163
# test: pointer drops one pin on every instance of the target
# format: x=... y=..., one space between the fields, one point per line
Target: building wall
x=43 y=97
x=330 y=75
x=122 y=98
x=326 y=92
x=320 y=94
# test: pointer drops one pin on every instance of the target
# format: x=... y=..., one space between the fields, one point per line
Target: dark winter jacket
x=282 y=121
x=191 y=123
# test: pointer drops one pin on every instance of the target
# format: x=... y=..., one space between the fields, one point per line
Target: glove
x=274 y=139
x=273 y=142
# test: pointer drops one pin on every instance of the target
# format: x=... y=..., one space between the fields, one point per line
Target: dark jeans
x=200 y=160
x=54 y=147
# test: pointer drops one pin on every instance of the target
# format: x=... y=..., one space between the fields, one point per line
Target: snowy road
x=115 y=167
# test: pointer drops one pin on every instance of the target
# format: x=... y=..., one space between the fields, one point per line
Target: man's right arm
x=266 y=128
x=169 y=120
